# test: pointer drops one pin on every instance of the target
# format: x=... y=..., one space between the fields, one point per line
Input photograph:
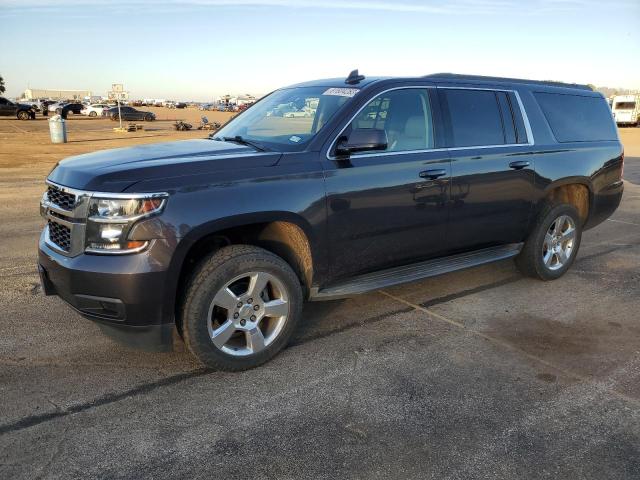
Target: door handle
x=433 y=174
x=519 y=164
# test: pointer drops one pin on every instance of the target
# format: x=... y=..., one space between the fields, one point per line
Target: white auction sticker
x=342 y=92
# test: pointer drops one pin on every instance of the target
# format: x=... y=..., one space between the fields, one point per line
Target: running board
x=415 y=271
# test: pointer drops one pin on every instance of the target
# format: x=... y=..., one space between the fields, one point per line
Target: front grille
x=60 y=235
x=62 y=199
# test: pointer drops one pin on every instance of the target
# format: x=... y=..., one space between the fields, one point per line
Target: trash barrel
x=58 y=129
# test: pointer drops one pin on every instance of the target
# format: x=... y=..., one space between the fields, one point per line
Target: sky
x=199 y=49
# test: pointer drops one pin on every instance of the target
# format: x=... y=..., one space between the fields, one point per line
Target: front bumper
x=126 y=295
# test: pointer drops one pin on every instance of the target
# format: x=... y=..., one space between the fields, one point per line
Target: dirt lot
x=477 y=374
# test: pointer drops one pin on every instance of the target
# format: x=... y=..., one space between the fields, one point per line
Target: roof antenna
x=354 y=78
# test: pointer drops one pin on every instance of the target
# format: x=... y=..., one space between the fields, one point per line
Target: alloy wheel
x=248 y=313
x=559 y=241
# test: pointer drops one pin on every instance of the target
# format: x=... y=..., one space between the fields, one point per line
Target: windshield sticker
x=294 y=138
x=342 y=92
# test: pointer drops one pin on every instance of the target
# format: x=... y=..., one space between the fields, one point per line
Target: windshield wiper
x=243 y=141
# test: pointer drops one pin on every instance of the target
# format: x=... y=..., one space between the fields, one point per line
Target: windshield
x=625 y=106
x=287 y=119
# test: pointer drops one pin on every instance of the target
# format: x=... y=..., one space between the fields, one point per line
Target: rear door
x=383 y=207
x=492 y=169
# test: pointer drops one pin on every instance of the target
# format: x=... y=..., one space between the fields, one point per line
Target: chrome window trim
x=527 y=125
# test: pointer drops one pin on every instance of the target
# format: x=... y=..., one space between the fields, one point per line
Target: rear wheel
x=23 y=115
x=553 y=244
x=115 y=117
x=241 y=307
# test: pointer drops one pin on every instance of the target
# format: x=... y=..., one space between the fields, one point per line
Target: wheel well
x=575 y=194
x=285 y=239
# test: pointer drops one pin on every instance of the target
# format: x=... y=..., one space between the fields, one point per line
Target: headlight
x=111 y=219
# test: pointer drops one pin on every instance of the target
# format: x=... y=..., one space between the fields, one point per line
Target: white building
x=34 y=93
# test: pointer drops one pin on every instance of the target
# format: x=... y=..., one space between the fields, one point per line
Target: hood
x=115 y=170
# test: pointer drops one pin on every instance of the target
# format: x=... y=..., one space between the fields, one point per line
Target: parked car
x=297 y=113
x=225 y=238
x=73 y=107
x=170 y=104
x=281 y=110
x=180 y=105
x=130 y=113
x=53 y=107
x=94 y=110
x=18 y=110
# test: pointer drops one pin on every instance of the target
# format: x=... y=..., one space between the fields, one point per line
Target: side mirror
x=362 y=140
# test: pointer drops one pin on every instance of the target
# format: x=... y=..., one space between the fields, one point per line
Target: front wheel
x=93 y=114
x=148 y=117
x=553 y=244
x=241 y=307
x=23 y=115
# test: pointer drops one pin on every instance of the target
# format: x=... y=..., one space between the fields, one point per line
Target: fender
x=197 y=233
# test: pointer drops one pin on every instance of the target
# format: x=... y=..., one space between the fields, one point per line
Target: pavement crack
x=107 y=399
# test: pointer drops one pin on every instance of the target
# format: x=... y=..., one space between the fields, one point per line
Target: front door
x=388 y=208
x=492 y=167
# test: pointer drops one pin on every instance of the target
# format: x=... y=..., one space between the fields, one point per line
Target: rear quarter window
x=577 y=118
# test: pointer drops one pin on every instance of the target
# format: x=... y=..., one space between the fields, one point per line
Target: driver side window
x=405 y=116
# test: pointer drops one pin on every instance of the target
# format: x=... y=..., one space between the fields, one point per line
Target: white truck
x=626 y=109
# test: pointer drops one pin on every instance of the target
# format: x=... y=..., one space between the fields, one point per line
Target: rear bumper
x=124 y=294
x=605 y=202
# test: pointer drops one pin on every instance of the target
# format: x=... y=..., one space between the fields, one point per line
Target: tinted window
x=405 y=115
x=574 y=118
x=475 y=118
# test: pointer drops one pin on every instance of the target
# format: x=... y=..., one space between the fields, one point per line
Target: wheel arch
x=576 y=191
x=286 y=234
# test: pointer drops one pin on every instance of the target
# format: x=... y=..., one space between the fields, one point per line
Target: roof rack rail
x=457 y=76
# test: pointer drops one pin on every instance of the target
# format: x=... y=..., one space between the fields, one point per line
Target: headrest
x=415 y=127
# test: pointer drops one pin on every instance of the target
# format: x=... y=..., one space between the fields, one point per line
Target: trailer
x=626 y=109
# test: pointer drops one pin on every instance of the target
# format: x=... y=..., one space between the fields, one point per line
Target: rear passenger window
x=577 y=118
x=475 y=118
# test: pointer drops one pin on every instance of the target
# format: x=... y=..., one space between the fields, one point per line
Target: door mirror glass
x=362 y=140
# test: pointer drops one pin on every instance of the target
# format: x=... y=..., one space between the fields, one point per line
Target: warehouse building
x=35 y=93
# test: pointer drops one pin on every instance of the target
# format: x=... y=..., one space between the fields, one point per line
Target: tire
x=58 y=111
x=148 y=117
x=93 y=114
x=115 y=117
x=23 y=115
x=538 y=258
x=203 y=317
